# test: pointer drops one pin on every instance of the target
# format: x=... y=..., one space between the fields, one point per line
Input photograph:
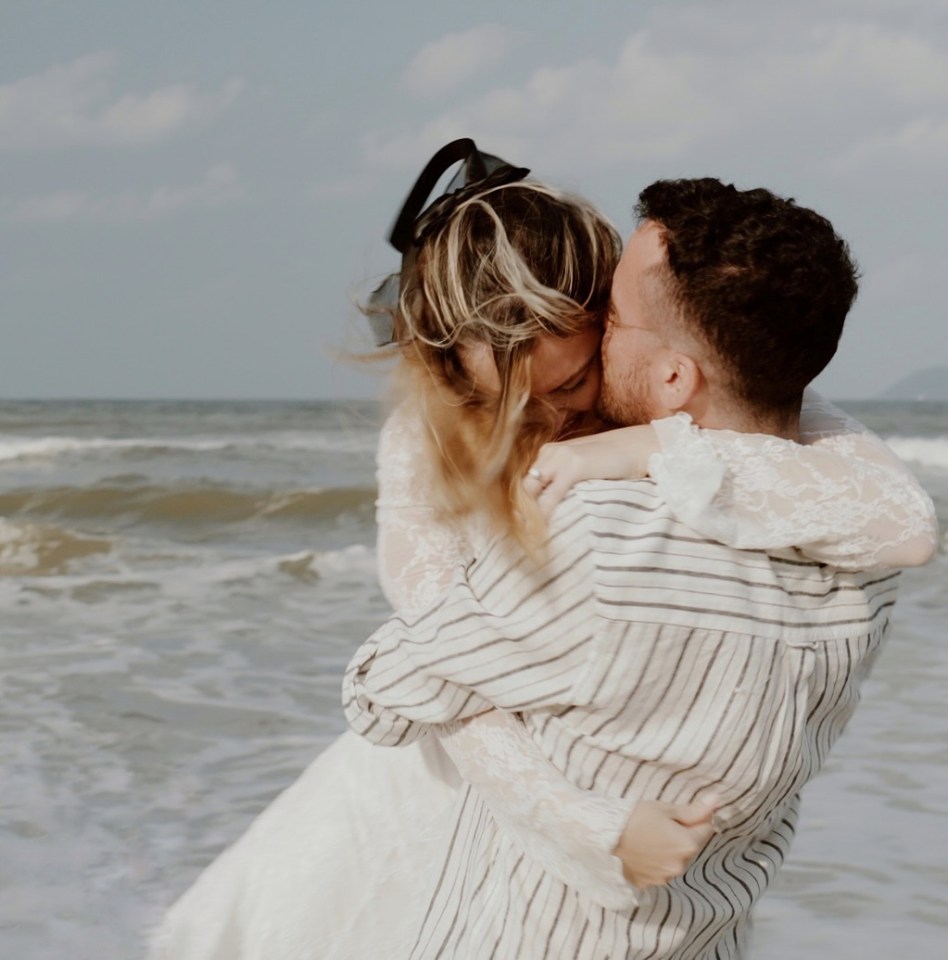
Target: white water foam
x=354 y=559
x=17 y=547
x=925 y=451
x=20 y=448
x=30 y=548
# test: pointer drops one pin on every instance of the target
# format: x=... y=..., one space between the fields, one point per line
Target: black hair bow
x=416 y=221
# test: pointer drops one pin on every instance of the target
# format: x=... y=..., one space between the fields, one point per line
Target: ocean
x=181 y=585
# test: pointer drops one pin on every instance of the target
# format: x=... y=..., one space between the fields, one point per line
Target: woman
x=496 y=317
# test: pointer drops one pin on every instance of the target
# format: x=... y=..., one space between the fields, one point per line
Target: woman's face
x=567 y=371
x=564 y=370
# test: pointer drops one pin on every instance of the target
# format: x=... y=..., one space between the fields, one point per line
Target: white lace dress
x=339 y=865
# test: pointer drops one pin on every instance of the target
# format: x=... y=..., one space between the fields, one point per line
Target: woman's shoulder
x=405 y=421
x=402 y=436
x=405 y=471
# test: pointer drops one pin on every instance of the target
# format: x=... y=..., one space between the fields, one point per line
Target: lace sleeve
x=569 y=831
x=418 y=550
x=841 y=497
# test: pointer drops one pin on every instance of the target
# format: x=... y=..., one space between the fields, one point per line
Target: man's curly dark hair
x=765 y=283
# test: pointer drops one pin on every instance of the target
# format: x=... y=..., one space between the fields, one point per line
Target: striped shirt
x=648 y=663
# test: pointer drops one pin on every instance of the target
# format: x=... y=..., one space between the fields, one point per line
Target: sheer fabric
x=336 y=867
x=418 y=547
x=568 y=831
x=841 y=497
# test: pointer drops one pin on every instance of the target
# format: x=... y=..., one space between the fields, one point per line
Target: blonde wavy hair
x=502 y=268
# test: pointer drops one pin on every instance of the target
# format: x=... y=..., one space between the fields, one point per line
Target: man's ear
x=682 y=381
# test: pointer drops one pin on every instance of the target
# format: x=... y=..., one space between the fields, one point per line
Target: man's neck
x=714 y=416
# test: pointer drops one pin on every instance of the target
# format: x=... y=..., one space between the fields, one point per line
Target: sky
x=194 y=194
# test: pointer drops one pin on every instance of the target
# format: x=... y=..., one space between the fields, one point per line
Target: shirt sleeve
x=511 y=632
x=841 y=497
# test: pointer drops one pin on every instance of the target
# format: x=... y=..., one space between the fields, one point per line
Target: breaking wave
x=194 y=505
x=32 y=549
x=925 y=451
x=34 y=448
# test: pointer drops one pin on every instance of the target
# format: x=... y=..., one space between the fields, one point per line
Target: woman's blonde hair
x=501 y=268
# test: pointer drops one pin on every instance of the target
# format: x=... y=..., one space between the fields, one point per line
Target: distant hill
x=930 y=384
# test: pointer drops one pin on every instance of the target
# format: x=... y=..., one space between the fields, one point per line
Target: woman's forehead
x=555 y=361
x=558 y=360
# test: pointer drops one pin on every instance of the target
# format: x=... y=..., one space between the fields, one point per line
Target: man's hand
x=661 y=839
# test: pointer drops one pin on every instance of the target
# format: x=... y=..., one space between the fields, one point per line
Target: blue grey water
x=181 y=585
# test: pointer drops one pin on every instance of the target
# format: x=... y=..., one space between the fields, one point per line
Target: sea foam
x=925 y=451
x=19 y=448
x=32 y=549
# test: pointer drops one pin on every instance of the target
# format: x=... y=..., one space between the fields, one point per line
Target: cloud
x=71 y=105
x=922 y=142
x=221 y=186
x=588 y=111
x=445 y=63
x=690 y=86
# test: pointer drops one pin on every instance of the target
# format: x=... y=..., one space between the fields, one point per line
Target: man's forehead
x=643 y=257
x=646 y=246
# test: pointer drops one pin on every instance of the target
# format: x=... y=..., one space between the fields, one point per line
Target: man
x=649 y=662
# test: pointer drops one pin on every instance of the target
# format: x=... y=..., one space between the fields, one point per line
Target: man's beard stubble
x=628 y=402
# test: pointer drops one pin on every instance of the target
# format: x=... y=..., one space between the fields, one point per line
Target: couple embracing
x=605 y=698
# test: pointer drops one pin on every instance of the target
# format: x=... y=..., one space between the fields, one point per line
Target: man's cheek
x=606 y=338
x=586 y=400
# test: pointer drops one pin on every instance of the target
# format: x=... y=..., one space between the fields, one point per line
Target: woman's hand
x=621 y=454
x=661 y=839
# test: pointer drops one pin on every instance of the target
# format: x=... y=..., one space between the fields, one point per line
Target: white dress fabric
x=338 y=867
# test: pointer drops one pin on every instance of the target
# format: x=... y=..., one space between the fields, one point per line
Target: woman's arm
x=606 y=848
x=415 y=654
x=584 y=839
x=841 y=497
x=418 y=550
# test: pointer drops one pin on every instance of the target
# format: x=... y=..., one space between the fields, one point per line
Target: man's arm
x=510 y=633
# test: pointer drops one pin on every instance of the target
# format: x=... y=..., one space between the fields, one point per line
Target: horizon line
x=338 y=399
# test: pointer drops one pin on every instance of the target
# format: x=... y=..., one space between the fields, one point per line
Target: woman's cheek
x=587 y=398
